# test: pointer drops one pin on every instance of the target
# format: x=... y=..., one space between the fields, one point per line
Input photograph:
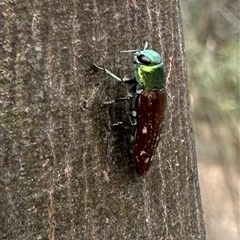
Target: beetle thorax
x=150 y=77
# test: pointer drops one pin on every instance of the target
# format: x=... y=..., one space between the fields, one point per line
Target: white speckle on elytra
x=142 y=153
x=147 y=160
x=144 y=130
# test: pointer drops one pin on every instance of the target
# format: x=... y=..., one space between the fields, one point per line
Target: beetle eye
x=144 y=60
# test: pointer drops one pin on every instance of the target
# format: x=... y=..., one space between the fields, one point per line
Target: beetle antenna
x=145 y=46
x=136 y=50
x=129 y=51
x=108 y=72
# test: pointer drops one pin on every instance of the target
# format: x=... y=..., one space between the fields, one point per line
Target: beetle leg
x=129 y=97
x=129 y=80
x=122 y=99
x=116 y=124
x=109 y=73
x=117 y=100
x=125 y=122
x=124 y=80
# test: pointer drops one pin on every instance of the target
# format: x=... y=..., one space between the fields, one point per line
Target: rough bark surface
x=65 y=172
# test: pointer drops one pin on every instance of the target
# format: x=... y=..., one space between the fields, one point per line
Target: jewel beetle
x=147 y=103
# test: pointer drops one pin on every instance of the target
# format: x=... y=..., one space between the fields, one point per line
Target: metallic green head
x=149 y=69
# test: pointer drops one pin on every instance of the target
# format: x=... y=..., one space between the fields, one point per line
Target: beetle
x=147 y=103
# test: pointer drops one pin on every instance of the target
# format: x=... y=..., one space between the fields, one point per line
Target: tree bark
x=66 y=173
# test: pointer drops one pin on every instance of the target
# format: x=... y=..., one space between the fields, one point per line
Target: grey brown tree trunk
x=66 y=173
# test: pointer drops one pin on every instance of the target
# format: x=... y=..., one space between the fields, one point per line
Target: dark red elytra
x=150 y=114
